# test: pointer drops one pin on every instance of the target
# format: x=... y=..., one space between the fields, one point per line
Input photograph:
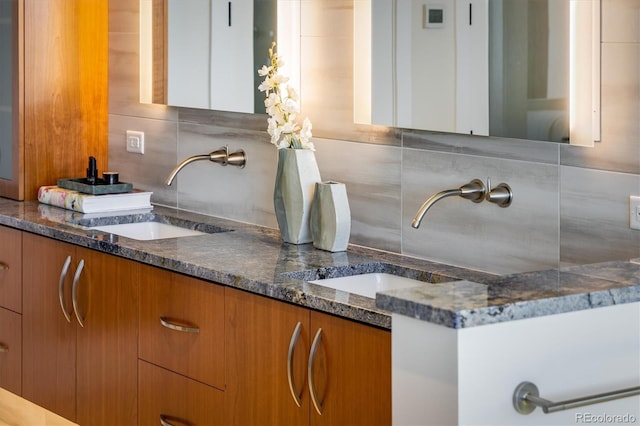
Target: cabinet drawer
x=176 y=399
x=182 y=325
x=10 y=269
x=11 y=351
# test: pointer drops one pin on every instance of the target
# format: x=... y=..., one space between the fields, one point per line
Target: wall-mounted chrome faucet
x=475 y=191
x=221 y=156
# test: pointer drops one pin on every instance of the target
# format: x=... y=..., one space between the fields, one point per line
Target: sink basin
x=148 y=230
x=368 y=285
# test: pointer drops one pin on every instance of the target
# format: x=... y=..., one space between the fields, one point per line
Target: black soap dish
x=99 y=187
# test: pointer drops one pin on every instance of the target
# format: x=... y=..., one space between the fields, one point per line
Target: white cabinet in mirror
x=205 y=53
x=526 y=69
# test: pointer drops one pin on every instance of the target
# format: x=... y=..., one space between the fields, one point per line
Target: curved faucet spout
x=220 y=156
x=474 y=191
x=430 y=202
x=183 y=163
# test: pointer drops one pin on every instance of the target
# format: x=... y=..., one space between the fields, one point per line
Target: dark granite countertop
x=255 y=259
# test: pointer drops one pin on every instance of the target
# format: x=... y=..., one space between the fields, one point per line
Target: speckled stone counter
x=254 y=258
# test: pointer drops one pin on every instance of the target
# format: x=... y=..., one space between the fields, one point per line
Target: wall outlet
x=634 y=212
x=135 y=141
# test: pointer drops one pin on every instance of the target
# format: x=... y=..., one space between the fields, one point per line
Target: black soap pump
x=92 y=172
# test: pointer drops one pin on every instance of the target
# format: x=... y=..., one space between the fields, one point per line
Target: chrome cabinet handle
x=526 y=398
x=74 y=292
x=4 y=348
x=292 y=344
x=164 y=421
x=312 y=360
x=3 y=266
x=178 y=327
x=63 y=276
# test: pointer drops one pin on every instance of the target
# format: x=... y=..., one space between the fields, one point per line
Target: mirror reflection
x=524 y=69
x=484 y=67
x=204 y=53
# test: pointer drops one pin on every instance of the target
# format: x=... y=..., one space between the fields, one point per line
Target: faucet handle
x=500 y=195
x=474 y=191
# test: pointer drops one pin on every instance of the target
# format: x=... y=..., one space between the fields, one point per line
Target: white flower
x=281 y=104
x=265 y=70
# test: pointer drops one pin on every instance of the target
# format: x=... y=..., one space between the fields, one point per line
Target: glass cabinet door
x=6 y=98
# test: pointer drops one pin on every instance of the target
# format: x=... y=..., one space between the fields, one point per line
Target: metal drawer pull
x=164 y=420
x=178 y=327
x=74 y=292
x=172 y=421
x=3 y=348
x=63 y=276
x=526 y=398
x=292 y=344
x=312 y=360
x=3 y=266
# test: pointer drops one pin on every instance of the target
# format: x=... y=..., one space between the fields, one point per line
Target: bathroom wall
x=571 y=205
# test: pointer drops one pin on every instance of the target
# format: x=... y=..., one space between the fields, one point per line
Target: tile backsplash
x=570 y=204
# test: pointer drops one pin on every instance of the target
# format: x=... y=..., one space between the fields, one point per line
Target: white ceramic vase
x=293 y=193
x=330 y=217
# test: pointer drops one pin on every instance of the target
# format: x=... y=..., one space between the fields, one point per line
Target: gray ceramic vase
x=293 y=193
x=330 y=217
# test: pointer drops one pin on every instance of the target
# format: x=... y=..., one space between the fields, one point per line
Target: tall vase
x=293 y=193
x=330 y=217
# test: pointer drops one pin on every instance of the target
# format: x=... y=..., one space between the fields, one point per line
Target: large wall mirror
x=526 y=69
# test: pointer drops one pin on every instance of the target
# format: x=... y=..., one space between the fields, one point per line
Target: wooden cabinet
x=181 y=351
x=55 y=113
x=278 y=355
x=11 y=269
x=182 y=325
x=80 y=332
x=168 y=397
x=11 y=351
x=10 y=309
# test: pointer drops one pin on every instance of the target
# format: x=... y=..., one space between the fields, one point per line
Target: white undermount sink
x=148 y=230
x=368 y=284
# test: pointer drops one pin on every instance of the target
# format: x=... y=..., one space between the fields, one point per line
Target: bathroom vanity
x=236 y=327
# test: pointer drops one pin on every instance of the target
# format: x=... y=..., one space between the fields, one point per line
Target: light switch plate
x=634 y=212
x=135 y=141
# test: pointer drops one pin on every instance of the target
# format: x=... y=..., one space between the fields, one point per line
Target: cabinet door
x=169 y=398
x=11 y=269
x=351 y=374
x=11 y=92
x=107 y=343
x=10 y=351
x=66 y=60
x=259 y=332
x=182 y=325
x=49 y=339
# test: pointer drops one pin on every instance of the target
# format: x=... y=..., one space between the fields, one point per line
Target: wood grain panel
x=11 y=351
x=49 y=341
x=11 y=269
x=187 y=301
x=107 y=346
x=66 y=89
x=352 y=372
x=259 y=331
x=181 y=401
